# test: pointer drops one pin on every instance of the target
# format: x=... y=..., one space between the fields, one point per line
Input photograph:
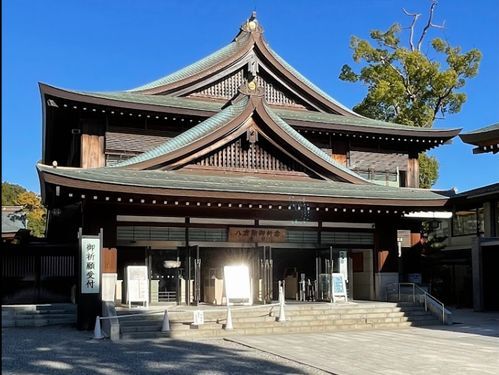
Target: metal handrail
x=425 y=294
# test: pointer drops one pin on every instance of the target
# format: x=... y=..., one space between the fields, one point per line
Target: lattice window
x=224 y=89
x=228 y=88
x=251 y=157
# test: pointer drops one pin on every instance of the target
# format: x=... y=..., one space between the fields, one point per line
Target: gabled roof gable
x=230 y=124
x=249 y=48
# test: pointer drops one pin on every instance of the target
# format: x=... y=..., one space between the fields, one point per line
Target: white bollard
x=97 y=331
x=282 y=316
x=166 y=322
x=228 y=324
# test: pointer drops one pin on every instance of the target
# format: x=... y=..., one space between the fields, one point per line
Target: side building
x=237 y=158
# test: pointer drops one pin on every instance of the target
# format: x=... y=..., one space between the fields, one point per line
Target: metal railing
x=417 y=295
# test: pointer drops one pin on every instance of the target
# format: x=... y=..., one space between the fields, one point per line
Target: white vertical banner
x=90 y=264
x=343 y=263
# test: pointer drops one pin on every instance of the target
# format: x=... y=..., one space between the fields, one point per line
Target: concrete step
x=38 y=315
x=21 y=317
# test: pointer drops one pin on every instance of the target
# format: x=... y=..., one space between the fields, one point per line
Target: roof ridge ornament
x=251 y=88
x=252 y=24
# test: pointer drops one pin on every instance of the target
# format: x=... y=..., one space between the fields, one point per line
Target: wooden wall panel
x=92 y=151
x=110 y=260
x=413 y=171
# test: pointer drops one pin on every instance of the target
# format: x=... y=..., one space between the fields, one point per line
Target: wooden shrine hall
x=237 y=158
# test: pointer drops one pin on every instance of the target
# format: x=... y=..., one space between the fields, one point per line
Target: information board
x=237 y=284
x=198 y=318
x=339 y=288
x=90 y=264
x=343 y=263
x=137 y=284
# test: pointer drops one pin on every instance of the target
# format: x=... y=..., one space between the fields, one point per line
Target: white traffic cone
x=282 y=316
x=166 y=323
x=228 y=324
x=97 y=331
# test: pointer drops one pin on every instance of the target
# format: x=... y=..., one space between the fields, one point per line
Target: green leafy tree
x=407 y=85
x=15 y=195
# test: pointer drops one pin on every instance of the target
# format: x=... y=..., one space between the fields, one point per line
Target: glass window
x=468 y=222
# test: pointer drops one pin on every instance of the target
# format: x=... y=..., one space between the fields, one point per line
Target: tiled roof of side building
x=200 y=130
x=248 y=185
x=485 y=129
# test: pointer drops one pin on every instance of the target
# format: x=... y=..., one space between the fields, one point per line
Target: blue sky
x=116 y=45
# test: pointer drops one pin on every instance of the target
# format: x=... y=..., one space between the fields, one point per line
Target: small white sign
x=198 y=317
x=137 y=284
x=338 y=287
x=343 y=263
x=237 y=284
x=90 y=264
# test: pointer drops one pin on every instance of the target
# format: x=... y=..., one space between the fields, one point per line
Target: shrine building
x=235 y=159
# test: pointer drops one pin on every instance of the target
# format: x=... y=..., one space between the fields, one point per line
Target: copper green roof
x=191 y=135
x=247 y=184
x=320 y=118
x=356 y=122
x=157 y=100
x=215 y=122
x=303 y=79
x=198 y=66
x=306 y=143
x=484 y=129
x=476 y=137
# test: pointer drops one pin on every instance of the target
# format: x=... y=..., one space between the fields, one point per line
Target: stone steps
x=38 y=315
x=299 y=318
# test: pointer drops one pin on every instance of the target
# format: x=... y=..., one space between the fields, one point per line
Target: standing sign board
x=90 y=264
x=343 y=263
x=237 y=284
x=338 y=287
x=137 y=285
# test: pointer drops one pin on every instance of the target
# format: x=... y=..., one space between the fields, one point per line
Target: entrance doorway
x=164 y=272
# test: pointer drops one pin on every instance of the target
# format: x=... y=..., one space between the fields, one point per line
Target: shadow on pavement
x=469 y=321
x=64 y=350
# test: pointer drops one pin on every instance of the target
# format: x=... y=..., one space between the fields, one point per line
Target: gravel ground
x=64 y=350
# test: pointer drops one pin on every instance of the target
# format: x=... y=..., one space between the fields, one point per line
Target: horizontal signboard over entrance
x=257 y=235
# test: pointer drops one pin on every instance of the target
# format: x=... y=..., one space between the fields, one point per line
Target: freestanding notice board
x=338 y=287
x=137 y=285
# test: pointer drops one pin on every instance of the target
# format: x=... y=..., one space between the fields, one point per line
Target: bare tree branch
x=440 y=100
x=429 y=24
x=415 y=17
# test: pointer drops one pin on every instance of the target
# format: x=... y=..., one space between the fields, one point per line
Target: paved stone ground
x=64 y=350
x=470 y=347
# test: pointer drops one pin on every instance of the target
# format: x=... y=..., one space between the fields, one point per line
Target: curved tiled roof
x=246 y=184
x=194 y=68
x=307 y=144
x=302 y=78
x=357 y=123
x=191 y=135
x=485 y=129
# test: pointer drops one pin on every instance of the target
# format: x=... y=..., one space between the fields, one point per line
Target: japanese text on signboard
x=90 y=265
x=257 y=235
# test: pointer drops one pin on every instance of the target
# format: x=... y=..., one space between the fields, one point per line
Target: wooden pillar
x=340 y=152
x=92 y=145
x=412 y=177
x=385 y=256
